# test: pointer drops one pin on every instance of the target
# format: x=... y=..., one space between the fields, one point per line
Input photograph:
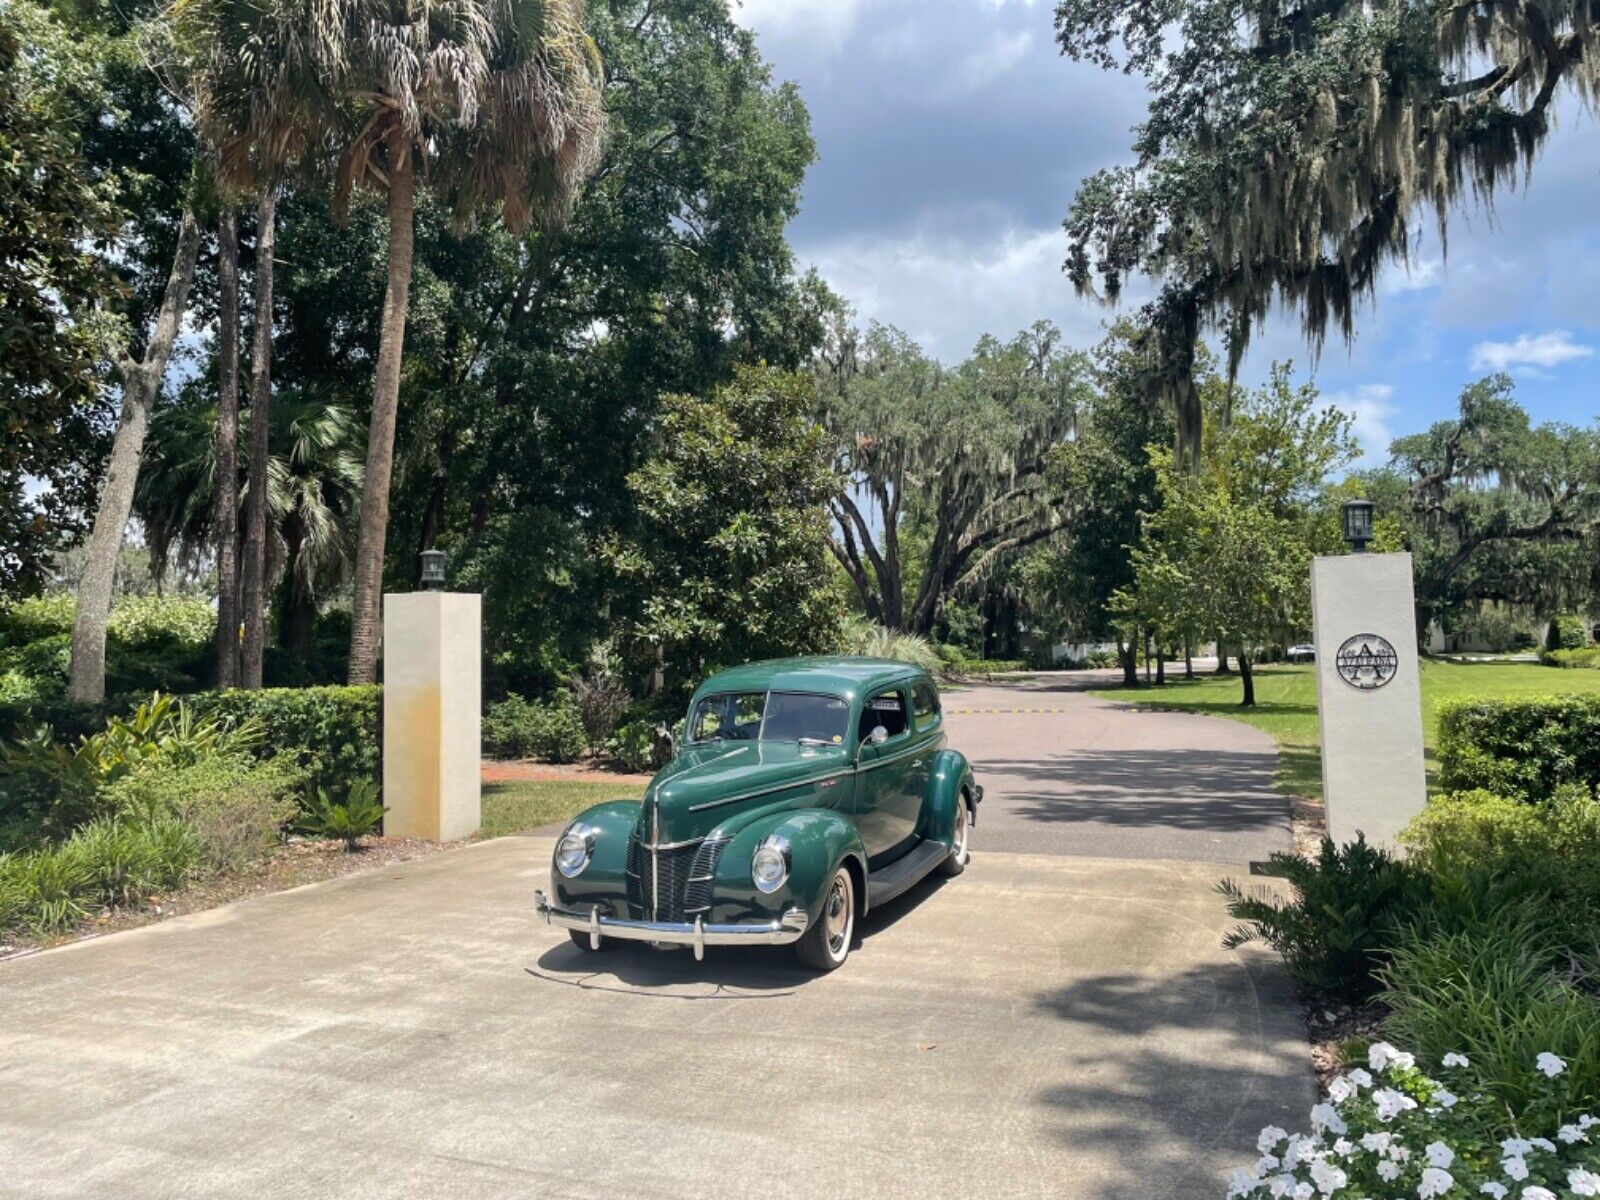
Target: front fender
x=819 y=840
x=951 y=774
x=604 y=880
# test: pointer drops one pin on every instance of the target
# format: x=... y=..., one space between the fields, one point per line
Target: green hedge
x=1568 y=631
x=1521 y=748
x=1583 y=659
x=334 y=733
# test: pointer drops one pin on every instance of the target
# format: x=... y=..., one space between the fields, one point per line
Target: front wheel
x=826 y=945
x=956 y=861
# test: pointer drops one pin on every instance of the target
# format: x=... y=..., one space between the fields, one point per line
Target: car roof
x=836 y=674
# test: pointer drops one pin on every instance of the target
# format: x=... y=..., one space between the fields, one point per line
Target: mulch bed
x=299 y=861
x=496 y=770
x=1328 y=1024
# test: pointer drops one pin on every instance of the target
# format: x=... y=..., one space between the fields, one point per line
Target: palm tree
x=314 y=489
x=225 y=510
x=501 y=97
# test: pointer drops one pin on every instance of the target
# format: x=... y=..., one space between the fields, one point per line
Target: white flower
x=1572 y=1134
x=1388 y=1171
x=1360 y=1078
x=1544 y=1144
x=1516 y=1168
x=1497 y=1190
x=1444 y=1098
x=1586 y=1121
x=1326 y=1117
x=1241 y=1180
x=1264 y=1164
x=1281 y=1185
x=1391 y=1103
x=1328 y=1178
x=1435 y=1183
x=1537 y=1193
x=1515 y=1147
x=1551 y=1066
x=1381 y=1055
x=1343 y=1147
x=1454 y=1060
x=1439 y=1155
x=1583 y=1183
x=1270 y=1137
x=1341 y=1089
x=1303 y=1191
x=1376 y=1142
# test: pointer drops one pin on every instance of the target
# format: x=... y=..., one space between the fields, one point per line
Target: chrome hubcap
x=837 y=912
x=958 y=844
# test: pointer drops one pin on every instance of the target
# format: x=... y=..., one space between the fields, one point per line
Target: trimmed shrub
x=520 y=728
x=1521 y=748
x=333 y=734
x=634 y=746
x=1587 y=659
x=1333 y=933
x=235 y=806
x=1568 y=631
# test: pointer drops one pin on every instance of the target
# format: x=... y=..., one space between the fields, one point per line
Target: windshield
x=770 y=716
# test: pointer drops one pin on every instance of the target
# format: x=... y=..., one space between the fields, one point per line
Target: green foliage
x=235 y=806
x=1333 y=932
x=333 y=734
x=874 y=641
x=521 y=728
x=601 y=699
x=350 y=821
x=125 y=861
x=1568 y=631
x=1493 y=991
x=154 y=643
x=1524 y=748
x=633 y=745
x=730 y=558
x=1573 y=659
x=45 y=889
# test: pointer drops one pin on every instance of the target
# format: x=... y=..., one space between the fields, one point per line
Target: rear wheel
x=826 y=944
x=956 y=861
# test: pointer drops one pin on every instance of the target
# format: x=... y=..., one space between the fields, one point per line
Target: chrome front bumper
x=787 y=928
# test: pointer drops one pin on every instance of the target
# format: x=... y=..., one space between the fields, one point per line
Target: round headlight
x=574 y=848
x=770 y=866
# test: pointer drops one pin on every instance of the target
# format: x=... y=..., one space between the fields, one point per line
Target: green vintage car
x=806 y=791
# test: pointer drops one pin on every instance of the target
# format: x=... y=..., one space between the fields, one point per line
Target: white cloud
x=990 y=61
x=1538 y=353
x=1370 y=404
x=826 y=21
x=946 y=292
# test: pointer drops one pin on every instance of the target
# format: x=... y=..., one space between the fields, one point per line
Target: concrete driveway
x=1048 y=1024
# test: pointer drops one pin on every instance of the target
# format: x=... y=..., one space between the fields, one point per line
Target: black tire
x=960 y=845
x=580 y=939
x=826 y=944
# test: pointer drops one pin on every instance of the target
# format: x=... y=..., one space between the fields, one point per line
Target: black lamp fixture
x=433 y=570
x=1356 y=516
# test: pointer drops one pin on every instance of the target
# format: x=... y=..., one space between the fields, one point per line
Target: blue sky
x=952 y=136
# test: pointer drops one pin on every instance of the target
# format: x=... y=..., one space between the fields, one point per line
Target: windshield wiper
x=811 y=741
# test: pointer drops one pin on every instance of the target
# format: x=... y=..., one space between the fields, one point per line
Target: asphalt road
x=1066 y=773
x=1048 y=1024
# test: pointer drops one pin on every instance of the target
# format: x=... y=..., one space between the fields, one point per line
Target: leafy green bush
x=1394 y=1131
x=1568 y=631
x=359 y=815
x=1520 y=748
x=1334 y=931
x=235 y=806
x=334 y=734
x=634 y=746
x=874 y=641
x=125 y=861
x=45 y=889
x=1496 y=991
x=521 y=728
x=1588 y=659
x=601 y=699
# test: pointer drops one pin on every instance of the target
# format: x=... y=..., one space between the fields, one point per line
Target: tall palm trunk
x=385 y=404
x=253 y=588
x=141 y=383
x=226 y=514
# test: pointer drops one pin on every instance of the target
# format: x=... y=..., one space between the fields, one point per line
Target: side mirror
x=878 y=736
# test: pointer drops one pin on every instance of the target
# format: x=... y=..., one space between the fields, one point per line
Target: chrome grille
x=697 y=896
x=658 y=879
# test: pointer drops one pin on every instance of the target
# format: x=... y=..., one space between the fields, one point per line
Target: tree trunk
x=1188 y=660
x=1130 y=663
x=226 y=513
x=1249 y=680
x=141 y=383
x=299 y=610
x=253 y=588
x=385 y=404
x=1161 y=666
x=1222 y=659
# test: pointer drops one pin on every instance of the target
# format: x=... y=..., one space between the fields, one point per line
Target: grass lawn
x=1286 y=705
x=519 y=806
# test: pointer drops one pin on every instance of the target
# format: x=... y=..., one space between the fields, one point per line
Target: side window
x=887 y=709
x=925 y=706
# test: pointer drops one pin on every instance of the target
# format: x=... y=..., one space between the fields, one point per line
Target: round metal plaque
x=1366 y=661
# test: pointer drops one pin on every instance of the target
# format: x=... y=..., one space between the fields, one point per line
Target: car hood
x=704 y=785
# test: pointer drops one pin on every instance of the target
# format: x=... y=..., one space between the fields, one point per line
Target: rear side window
x=887 y=709
x=925 y=706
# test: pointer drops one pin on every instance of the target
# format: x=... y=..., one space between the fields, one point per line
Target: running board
x=885 y=884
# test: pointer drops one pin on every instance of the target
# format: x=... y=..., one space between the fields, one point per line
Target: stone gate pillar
x=432 y=704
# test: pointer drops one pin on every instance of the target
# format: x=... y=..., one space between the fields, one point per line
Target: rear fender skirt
x=950 y=777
